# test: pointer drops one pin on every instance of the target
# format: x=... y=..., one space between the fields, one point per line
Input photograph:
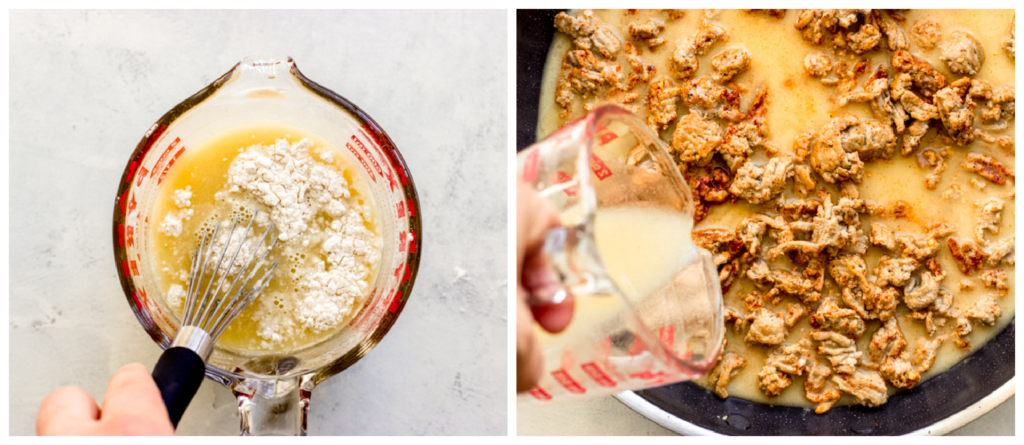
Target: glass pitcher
x=273 y=390
x=622 y=202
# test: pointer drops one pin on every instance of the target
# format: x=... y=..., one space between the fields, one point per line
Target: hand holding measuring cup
x=534 y=217
x=647 y=301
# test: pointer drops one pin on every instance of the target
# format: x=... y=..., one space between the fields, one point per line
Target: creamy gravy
x=799 y=102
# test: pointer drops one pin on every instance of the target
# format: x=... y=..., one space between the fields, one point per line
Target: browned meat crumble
x=804 y=246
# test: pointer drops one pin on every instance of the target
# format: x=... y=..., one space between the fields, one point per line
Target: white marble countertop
x=606 y=416
x=86 y=85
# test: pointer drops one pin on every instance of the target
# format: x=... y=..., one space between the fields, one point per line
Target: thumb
x=133 y=398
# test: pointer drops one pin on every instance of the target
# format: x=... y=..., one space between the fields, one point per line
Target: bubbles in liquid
x=243 y=212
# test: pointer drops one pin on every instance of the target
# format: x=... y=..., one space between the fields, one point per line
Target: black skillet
x=935 y=406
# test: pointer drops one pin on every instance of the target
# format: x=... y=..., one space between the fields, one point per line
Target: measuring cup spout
x=275 y=407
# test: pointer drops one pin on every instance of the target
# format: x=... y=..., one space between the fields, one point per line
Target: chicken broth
x=893 y=187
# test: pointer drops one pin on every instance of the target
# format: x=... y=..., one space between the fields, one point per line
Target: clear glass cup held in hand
x=647 y=301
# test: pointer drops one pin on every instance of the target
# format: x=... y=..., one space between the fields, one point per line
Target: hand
x=132 y=407
x=534 y=217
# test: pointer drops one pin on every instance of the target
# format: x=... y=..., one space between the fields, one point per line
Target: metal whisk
x=209 y=310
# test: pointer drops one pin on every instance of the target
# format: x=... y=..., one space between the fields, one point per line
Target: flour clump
x=328 y=250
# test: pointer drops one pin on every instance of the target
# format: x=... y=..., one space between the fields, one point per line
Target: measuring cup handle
x=275 y=407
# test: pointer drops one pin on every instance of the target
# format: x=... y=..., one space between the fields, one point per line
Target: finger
x=554 y=317
x=132 y=394
x=66 y=411
x=550 y=303
x=529 y=362
x=535 y=216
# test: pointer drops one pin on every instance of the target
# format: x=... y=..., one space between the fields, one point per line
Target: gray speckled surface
x=85 y=86
x=606 y=416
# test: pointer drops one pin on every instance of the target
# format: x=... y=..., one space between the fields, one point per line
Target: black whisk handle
x=178 y=374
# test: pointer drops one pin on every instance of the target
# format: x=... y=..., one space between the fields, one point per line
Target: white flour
x=182 y=198
x=326 y=250
x=176 y=295
x=172 y=223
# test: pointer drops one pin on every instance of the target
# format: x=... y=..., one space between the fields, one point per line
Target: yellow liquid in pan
x=799 y=102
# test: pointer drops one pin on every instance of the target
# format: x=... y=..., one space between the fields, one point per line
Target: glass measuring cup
x=273 y=390
x=624 y=335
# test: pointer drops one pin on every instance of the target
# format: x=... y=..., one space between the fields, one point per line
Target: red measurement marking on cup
x=409 y=207
x=140 y=301
x=401 y=176
x=400 y=276
x=361 y=160
x=530 y=166
x=120 y=235
x=129 y=235
x=371 y=135
x=393 y=307
x=391 y=179
x=369 y=156
x=163 y=156
x=562 y=178
x=375 y=143
x=594 y=372
x=170 y=164
x=540 y=394
x=142 y=176
x=154 y=134
x=131 y=168
x=652 y=377
x=667 y=336
x=121 y=200
x=563 y=378
x=125 y=269
x=637 y=348
x=406 y=240
x=600 y=169
x=412 y=241
x=401 y=209
x=604 y=136
x=131 y=204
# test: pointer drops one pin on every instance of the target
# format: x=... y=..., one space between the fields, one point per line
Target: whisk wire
x=203 y=257
x=189 y=299
x=227 y=312
x=210 y=308
x=219 y=303
x=246 y=298
x=213 y=277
